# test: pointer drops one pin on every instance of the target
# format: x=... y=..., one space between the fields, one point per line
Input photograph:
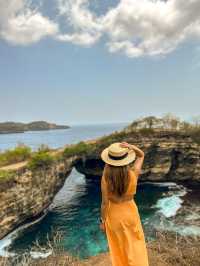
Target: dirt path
x=15 y=166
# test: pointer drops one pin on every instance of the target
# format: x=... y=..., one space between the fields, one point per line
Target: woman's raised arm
x=139 y=157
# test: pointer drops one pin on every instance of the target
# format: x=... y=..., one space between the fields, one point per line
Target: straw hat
x=117 y=155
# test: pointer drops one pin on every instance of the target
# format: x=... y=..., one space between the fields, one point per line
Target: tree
x=150 y=121
x=171 y=121
x=185 y=126
x=196 y=120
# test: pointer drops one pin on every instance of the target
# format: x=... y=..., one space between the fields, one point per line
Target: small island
x=15 y=127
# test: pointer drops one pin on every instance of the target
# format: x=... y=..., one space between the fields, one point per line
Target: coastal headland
x=30 y=181
x=14 y=127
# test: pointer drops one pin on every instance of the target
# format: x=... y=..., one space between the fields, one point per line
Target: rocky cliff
x=169 y=155
x=28 y=194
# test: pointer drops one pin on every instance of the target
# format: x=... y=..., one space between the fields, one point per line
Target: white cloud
x=84 y=38
x=85 y=24
x=133 y=27
x=20 y=24
x=136 y=27
x=124 y=46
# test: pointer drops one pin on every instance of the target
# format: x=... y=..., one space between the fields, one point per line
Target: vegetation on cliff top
x=6 y=175
x=18 y=154
x=168 y=122
x=77 y=149
x=40 y=159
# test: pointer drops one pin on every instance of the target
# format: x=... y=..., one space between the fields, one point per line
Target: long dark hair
x=117 y=178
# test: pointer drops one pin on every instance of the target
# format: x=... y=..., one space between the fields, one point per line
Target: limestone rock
x=29 y=194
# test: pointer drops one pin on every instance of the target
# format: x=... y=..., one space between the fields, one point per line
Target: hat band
x=118 y=157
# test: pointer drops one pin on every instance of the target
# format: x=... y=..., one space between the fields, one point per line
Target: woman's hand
x=125 y=145
x=102 y=227
x=138 y=151
x=139 y=157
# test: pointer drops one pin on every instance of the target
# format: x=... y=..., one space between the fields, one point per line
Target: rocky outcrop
x=168 y=156
x=28 y=194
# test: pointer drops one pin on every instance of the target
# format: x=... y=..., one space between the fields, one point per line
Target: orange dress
x=124 y=232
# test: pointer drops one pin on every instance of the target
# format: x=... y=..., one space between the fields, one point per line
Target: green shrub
x=78 y=149
x=5 y=175
x=40 y=159
x=3 y=160
x=18 y=154
x=114 y=137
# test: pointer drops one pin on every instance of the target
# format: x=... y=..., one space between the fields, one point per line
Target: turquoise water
x=75 y=212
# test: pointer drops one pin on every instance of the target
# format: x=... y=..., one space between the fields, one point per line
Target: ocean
x=58 y=137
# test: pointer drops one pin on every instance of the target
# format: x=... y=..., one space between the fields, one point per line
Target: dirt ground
x=168 y=249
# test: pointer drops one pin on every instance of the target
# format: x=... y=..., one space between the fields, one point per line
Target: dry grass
x=169 y=249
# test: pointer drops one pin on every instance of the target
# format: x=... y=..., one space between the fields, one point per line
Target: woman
x=120 y=218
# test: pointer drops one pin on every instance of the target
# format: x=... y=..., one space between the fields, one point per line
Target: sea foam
x=162 y=184
x=169 y=205
x=43 y=255
x=7 y=241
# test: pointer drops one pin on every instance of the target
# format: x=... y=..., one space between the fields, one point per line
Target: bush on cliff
x=41 y=159
x=18 y=154
x=77 y=149
x=6 y=175
x=114 y=137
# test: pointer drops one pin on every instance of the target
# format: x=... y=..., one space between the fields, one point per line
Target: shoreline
x=36 y=130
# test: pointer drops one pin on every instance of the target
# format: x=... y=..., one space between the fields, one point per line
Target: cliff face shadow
x=90 y=167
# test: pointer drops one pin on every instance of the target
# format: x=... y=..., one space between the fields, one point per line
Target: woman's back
x=122 y=209
x=131 y=190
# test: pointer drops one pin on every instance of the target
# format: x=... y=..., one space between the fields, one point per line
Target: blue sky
x=64 y=80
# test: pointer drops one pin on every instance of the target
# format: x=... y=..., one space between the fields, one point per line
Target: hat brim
x=129 y=158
